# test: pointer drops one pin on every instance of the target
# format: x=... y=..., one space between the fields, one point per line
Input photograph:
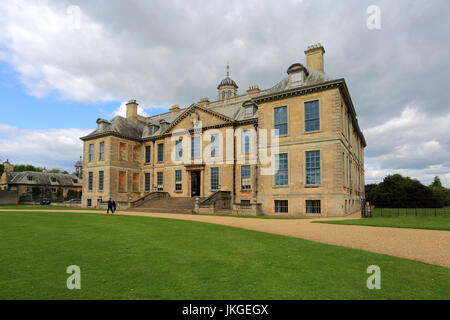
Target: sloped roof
x=44 y=178
x=152 y=126
x=313 y=77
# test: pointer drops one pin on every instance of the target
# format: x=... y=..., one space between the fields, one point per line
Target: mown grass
x=127 y=257
x=42 y=207
x=413 y=222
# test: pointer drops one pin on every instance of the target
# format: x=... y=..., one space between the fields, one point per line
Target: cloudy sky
x=63 y=64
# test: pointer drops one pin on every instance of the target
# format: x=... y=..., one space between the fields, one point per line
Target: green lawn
x=126 y=257
x=420 y=222
x=39 y=207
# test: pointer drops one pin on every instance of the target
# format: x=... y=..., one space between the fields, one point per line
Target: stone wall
x=9 y=197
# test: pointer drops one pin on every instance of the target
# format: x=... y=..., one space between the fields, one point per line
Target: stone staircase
x=167 y=205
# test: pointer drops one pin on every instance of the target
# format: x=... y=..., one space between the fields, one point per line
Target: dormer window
x=53 y=179
x=163 y=124
x=75 y=180
x=153 y=128
x=102 y=124
x=30 y=178
x=249 y=108
x=297 y=74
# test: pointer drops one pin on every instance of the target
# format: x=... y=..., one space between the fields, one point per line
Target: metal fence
x=38 y=198
x=405 y=212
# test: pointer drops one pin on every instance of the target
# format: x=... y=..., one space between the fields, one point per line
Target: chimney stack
x=132 y=109
x=175 y=109
x=8 y=167
x=314 y=57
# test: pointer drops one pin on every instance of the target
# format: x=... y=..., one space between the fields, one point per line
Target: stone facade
x=25 y=183
x=121 y=157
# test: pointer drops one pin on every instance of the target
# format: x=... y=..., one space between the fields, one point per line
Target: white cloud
x=413 y=144
x=122 y=111
x=52 y=148
x=174 y=52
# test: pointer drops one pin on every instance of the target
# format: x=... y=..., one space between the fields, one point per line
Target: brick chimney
x=132 y=109
x=314 y=57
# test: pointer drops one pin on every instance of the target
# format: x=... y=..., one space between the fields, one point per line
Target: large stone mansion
x=293 y=149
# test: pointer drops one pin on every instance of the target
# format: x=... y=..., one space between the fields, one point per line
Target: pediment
x=196 y=116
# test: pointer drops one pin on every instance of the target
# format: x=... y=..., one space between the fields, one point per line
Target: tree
x=59 y=193
x=2 y=168
x=36 y=192
x=72 y=194
x=436 y=182
x=397 y=191
x=26 y=167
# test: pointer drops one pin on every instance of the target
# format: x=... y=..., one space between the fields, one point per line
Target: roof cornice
x=107 y=134
x=338 y=83
x=188 y=110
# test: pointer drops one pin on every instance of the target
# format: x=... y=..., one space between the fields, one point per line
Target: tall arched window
x=223 y=94
x=229 y=93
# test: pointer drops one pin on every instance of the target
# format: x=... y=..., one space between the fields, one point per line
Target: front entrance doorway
x=195 y=183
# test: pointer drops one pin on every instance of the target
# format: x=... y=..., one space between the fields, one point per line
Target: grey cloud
x=175 y=52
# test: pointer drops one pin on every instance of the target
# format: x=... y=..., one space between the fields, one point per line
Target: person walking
x=114 y=206
x=110 y=206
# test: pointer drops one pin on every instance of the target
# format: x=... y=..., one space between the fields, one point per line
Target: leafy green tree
x=26 y=167
x=436 y=182
x=2 y=168
x=397 y=191
x=72 y=194
x=36 y=192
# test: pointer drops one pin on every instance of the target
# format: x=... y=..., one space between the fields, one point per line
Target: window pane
x=246 y=182
x=91 y=152
x=91 y=180
x=214 y=145
x=195 y=147
x=245 y=142
x=281 y=120
x=214 y=178
x=312 y=118
x=160 y=181
x=100 y=180
x=281 y=206
x=178 y=180
x=312 y=167
x=313 y=206
x=160 y=152
x=281 y=177
x=178 y=149
x=102 y=151
x=147 y=182
x=147 y=154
